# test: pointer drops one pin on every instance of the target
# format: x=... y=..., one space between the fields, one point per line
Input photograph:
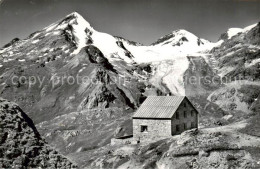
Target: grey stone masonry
x=185 y=118
x=156 y=129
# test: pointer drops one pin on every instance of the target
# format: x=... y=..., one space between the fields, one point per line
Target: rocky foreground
x=21 y=146
x=223 y=147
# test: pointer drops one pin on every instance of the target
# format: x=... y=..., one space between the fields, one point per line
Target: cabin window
x=184 y=126
x=191 y=113
x=184 y=104
x=184 y=114
x=177 y=115
x=144 y=128
x=177 y=128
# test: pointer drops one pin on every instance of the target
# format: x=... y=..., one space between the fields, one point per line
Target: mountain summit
x=79 y=29
x=181 y=37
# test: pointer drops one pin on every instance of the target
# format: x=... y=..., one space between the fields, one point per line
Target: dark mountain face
x=253 y=36
x=48 y=94
x=128 y=41
x=80 y=86
x=164 y=38
x=21 y=146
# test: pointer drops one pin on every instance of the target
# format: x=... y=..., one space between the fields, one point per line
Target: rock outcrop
x=21 y=146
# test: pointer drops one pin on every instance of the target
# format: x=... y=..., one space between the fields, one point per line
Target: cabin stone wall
x=156 y=129
x=116 y=141
x=186 y=120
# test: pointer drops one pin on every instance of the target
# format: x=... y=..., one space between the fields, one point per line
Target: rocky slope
x=237 y=62
x=220 y=148
x=21 y=146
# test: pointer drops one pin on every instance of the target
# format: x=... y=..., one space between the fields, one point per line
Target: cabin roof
x=161 y=107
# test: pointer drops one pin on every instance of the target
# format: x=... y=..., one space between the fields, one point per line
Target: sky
x=142 y=21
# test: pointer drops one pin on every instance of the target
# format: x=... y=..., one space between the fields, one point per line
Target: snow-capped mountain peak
x=83 y=34
x=75 y=14
x=72 y=19
x=178 y=38
x=78 y=26
x=234 y=31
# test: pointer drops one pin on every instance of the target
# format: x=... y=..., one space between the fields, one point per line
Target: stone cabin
x=163 y=116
